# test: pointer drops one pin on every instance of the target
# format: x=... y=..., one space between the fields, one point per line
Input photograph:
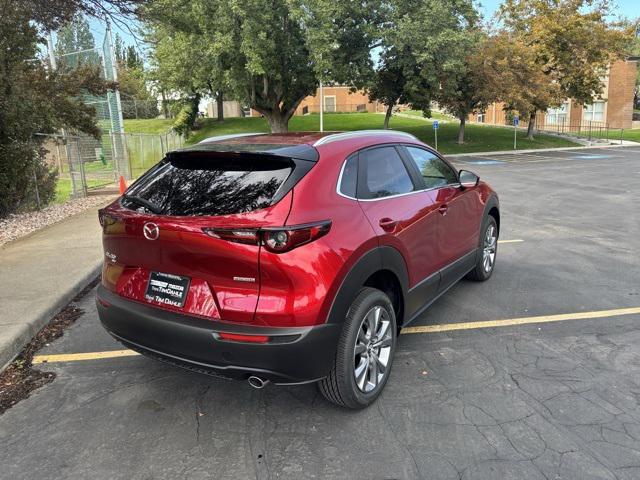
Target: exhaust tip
x=257 y=382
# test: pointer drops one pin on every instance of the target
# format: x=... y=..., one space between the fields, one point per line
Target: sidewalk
x=41 y=273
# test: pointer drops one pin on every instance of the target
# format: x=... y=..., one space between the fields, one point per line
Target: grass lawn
x=150 y=125
x=434 y=116
x=632 y=135
x=63 y=188
x=479 y=138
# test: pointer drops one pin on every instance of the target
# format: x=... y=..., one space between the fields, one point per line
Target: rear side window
x=435 y=172
x=209 y=185
x=383 y=174
x=349 y=180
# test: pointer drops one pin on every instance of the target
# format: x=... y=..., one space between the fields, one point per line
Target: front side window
x=384 y=174
x=435 y=172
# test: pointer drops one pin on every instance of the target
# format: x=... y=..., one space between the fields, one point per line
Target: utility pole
x=321 y=107
x=52 y=56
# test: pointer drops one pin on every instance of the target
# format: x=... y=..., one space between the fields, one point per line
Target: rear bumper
x=293 y=355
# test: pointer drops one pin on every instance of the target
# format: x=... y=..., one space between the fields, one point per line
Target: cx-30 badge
x=151 y=231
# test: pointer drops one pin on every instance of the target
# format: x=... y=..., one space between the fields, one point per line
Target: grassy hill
x=479 y=138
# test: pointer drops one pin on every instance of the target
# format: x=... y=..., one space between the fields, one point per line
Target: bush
x=185 y=119
x=23 y=171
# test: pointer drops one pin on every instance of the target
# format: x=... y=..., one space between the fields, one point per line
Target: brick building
x=339 y=99
x=614 y=109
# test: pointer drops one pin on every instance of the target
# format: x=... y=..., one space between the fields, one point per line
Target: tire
x=488 y=251
x=341 y=386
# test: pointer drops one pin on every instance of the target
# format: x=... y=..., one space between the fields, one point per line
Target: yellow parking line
x=448 y=327
x=74 y=357
x=515 y=240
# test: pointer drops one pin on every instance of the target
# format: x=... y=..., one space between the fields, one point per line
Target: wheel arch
x=383 y=268
x=491 y=208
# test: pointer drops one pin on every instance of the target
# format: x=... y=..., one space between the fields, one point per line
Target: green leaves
x=269 y=54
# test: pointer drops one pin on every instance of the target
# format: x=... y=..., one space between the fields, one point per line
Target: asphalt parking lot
x=552 y=392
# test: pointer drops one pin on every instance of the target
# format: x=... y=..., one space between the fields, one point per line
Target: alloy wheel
x=489 y=251
x=372 y=349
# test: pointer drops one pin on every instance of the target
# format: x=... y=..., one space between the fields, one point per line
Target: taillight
x=274 y=239
x=105 y=219
x=248 y=237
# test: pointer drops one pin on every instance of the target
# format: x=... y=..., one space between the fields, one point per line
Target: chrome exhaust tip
x=257 y=382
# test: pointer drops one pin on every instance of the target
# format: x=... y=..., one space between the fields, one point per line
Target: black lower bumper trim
x=297 y=355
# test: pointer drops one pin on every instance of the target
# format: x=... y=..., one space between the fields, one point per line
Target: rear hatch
x=165 y=240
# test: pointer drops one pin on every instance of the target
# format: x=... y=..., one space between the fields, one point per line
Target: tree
x=75 y=45
x=390 y=84
x=178 y=67
x=512 y=74
x=468 y=88
x=272 y=54
x=573 y=43
x=35 y=100
x=425 y=45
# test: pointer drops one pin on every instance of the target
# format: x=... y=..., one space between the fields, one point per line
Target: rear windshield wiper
x=145 y=203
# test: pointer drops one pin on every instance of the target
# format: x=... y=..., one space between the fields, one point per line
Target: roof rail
x=335 y=137
x=219 y=138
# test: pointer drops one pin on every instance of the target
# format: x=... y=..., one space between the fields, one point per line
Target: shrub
x=186 y=119
x=24 y=171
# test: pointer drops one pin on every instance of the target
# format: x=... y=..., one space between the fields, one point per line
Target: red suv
x=291 y=258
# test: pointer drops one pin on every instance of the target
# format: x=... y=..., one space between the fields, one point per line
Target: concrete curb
x=25 y=332
x=538 y=150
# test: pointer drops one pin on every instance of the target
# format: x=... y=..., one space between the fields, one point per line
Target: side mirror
x=468 y=179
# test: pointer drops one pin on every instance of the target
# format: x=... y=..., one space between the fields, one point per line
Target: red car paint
x=246 y=284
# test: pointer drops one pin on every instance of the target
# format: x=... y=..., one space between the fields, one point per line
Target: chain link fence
x=89 y=166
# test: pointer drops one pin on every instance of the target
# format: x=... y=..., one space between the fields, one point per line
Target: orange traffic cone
x=123 y=185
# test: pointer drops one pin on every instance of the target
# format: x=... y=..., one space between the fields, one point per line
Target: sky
x=627 y=8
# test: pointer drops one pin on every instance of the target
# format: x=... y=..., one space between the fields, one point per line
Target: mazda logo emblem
x=151 y=231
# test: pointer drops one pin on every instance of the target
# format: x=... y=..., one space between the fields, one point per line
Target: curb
x=25 y=332
x=537 y=150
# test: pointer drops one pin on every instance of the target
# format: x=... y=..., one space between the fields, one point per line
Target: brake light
x=274 y=239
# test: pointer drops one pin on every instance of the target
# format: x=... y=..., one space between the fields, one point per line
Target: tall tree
x=394 y=82
x=76 y=45
x=424 y=46
x=273 y=53
x=573 y=41
x=34 y=100
x=466 y=87
x=182 y=63
x=512 y=74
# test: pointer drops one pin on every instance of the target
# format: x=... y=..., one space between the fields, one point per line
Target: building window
x=329 y=103
x=557 y=116
x=594 y=112
x=480 y=118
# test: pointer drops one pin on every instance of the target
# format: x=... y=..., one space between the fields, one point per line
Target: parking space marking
x=445 y=327
x=563 y=317
x=74 y=357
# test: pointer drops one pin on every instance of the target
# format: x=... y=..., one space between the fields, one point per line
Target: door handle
x=443 y=209
x=388 y=224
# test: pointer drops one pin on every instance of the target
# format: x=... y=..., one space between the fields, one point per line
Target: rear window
x=209 y=185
